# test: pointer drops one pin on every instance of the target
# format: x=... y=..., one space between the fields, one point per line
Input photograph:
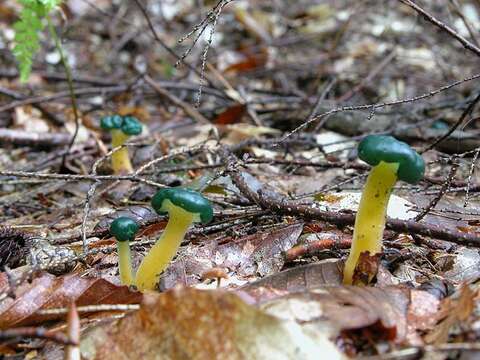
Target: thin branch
x=375 y=106
x=189 y=110
x=446 y=185
x=71 y=89
x=460 y=120
x=429 y=17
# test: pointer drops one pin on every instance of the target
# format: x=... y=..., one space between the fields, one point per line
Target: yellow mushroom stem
x=371 y=215
x=160 y=255
x=125 y=262
x=120 y=159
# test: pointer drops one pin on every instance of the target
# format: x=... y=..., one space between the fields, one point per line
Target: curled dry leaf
x=185 y=323
x=48 y=291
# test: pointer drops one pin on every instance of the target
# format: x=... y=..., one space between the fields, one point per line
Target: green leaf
x=50 y=4
x=27 y=29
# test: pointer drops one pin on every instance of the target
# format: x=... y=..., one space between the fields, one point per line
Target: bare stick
x=429 y=17
x=467 y=111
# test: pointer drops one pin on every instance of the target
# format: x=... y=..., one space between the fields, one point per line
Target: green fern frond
x=50 y=4
x=27 y=29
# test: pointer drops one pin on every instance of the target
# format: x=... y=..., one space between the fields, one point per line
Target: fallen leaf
x=312 y=292
x=137 y=212
x=241 y=131
x=231 y=115
x=267 y=255
x=185 y=323
x=300 y=278
x=48 y=291
x=465 y=266
x=247 y=257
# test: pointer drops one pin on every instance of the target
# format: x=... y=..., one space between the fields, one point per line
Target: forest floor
x=259 y=105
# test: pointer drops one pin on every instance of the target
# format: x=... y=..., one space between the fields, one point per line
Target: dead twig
x=430 y=18
x=373 y=73
x=72 y=352
x=446 y=185
x=28 y=138
x=65 y=94
x=469 y=179
x=189 y=110
x=313 y=247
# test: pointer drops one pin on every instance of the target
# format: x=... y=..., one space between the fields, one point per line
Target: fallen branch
x=315 y=247
x=429 y=17
x=28 y=138
x=189 y=109
x=278 y=204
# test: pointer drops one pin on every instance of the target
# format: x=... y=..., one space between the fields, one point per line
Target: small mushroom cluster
x=121 y=128
x=184 y=208
x=391 y=159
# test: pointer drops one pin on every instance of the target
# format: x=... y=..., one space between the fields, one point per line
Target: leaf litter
x=269 y=69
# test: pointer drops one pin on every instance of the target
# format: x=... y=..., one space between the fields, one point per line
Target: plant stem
x=164 y=249
x=371 y=216
x=125 y=262
x=121 y=164
x=68 y=73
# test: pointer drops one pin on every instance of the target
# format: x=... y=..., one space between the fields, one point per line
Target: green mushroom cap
x=124 y=228
x=131 y=126
x=111 y=122
x=375 y=148
x=128 y=124
x=188 y=200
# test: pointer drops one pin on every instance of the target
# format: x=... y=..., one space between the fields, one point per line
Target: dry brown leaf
x=48 y=291
x=306 y=292
x=236 y=133
x=249 y=63
x=231 y=115
x=366 y=269
x=457 y=311
x=246 y=257
x=185 y=323
x=298 y=279
x=138 y=111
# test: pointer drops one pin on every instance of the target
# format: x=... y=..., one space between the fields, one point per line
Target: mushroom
x=121 y=128
x=216 y=273
x=184 y=207
x=391 y=159
x=124 y=230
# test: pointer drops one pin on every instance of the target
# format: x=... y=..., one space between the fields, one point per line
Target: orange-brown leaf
x=185 y=323
x=48 y=291
x=231 y=115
